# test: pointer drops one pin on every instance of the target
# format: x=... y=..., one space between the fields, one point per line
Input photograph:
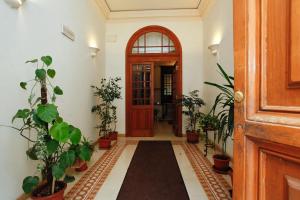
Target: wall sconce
x=214 y=49
x=14 y=3
x=94 y=51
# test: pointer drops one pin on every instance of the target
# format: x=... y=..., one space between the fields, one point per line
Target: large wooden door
x=267 y=109
x=141 y=99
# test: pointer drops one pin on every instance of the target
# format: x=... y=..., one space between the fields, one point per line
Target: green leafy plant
x=54 y=137
x=108 y=92
x=192 y=104
x=223 y=107
x=209 y=121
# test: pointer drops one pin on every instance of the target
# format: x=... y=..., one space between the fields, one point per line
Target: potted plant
x=107 y=93
x=80 y=164
x=192 y=104
x=224 y=109
x=209 y=122
x=53 y=135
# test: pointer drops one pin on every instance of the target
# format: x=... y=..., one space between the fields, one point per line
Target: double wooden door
x=267 y=94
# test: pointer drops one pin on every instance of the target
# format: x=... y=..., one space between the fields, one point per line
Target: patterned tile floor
x=107 y=170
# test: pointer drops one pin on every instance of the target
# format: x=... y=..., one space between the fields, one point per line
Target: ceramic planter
x=113 y=135
x=192 y=136
x=56 y=196
x=104 y=143
x=80 y=165
x=221 y=163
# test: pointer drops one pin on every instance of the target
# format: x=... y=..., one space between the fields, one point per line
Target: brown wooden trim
x=240 y=62
x=152 y=57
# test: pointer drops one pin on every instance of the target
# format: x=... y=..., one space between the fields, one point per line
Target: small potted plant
x=224 y=107
x=53 y=136
x=192 y=104
x=209 y=122
x=108 y=92
x=80 y=164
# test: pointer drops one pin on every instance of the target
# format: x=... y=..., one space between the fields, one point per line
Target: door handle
x=239 y=96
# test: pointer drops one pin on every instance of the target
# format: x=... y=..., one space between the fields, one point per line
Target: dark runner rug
x=153 y=174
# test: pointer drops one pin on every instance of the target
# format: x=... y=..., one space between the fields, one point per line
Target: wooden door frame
x=152 y=57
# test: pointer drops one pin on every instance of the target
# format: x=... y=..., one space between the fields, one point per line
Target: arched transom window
x=153 y=42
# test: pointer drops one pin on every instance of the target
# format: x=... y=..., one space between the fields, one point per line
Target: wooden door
x=267 y=109
x=141 y=103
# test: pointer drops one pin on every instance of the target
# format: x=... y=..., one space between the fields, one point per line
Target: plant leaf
x=21 y=114
x=75 y=136
x=23 y=85
x=31 y=153
x=52 y=146
x=57 y=90
x=58 y=171
x=47 y=112
x=60 y=131
x=47 y=60
x=32 y=61
x=67 y=158
x=85 y=153
x=40 y=74
x=69 y=179
x=29 y=183
x=51 y=73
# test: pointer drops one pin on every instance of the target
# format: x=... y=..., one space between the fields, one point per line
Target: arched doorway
x=146 y=47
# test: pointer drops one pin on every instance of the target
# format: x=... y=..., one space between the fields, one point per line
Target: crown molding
x=205 y=6
x=197 y=12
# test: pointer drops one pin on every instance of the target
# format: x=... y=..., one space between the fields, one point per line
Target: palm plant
x=223 y=107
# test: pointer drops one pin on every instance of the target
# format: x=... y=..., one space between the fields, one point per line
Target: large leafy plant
x=53 y=136
x=192 y=104
x=223 y=107
x=108 y=91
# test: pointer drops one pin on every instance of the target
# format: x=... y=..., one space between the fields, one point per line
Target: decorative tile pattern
x=90 y=183
x=213 y=184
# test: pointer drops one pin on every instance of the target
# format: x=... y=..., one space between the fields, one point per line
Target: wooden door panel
x=141 y=122
x=141 y=107
x=267 y=122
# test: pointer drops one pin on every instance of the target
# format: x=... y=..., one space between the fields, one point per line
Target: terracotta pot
x=113 y=135
x=192 y=137
x=221 y=162
x=80 y=165
x=104 y=143
x=56 y=196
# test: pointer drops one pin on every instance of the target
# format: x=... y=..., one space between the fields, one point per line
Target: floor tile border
x=214 y=185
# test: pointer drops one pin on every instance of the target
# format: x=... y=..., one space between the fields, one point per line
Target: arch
x=154 y=57
x=154 y=28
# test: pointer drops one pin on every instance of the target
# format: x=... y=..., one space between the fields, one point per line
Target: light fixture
x=94 y=51
x=214 y=49
x=14 y=3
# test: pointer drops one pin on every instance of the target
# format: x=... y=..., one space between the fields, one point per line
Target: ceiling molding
x=205 y=6
x=190 y=12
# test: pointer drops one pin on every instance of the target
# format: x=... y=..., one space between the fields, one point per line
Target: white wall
x=218 y=28
x=33 y=31
x=188 y=30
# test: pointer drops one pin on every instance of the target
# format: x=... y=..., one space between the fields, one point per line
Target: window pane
x=153 y=39
x=142 y=40
x=165 y=40
x=134 y=50
x=153 y=50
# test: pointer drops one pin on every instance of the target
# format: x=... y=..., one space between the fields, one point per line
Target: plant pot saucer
x=221 y=171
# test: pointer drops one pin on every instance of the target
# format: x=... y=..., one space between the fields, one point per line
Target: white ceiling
x=142 y=5
x=120 y=9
